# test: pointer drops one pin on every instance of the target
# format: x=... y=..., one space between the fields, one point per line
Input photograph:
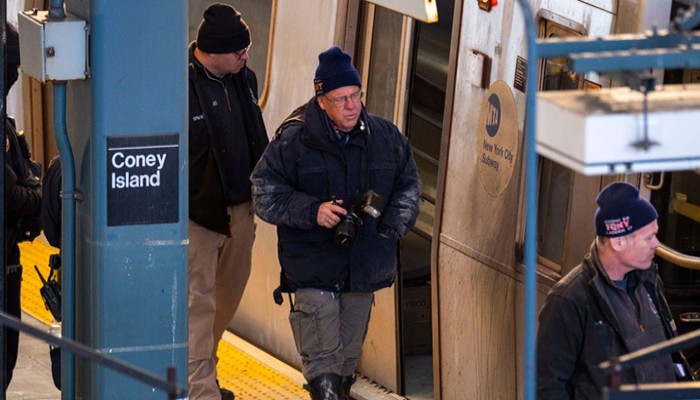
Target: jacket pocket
x=312 y=179
x=383 y=176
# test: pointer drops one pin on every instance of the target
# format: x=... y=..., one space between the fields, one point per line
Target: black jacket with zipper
x=227 y=136
x=579 y=328
x=308 y=163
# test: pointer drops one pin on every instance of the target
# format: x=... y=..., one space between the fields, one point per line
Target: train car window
x=678 y=203
x=677 y=199
x=384 y=63
x=426 y=105
x=258 y=15
x=557 y=249
x=553 y=209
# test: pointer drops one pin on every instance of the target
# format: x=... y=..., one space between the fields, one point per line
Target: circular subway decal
x=497 y=139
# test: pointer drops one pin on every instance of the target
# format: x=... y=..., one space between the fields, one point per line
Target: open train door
x=404 y=60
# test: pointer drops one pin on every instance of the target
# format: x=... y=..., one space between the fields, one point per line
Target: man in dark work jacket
x=329 y=158
x=22 y=201
x=226 y=138
x=610 y=305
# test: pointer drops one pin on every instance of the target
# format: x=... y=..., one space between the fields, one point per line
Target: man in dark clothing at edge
x=324 y=162
x=22 y=203
x=609 y=305
x=226 y=138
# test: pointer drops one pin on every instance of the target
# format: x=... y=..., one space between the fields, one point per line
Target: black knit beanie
x=622 y=211
x=222 y=30
x=334 y=70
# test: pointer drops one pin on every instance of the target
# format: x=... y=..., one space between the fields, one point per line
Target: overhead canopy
x=424 y=10
x=603 y=131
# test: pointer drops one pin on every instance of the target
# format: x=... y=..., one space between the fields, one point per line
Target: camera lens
x=345 y=231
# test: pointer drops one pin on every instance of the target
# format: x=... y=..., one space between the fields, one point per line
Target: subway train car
x=451 y=327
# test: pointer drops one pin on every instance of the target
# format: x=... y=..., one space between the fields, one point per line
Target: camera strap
x=366 y=177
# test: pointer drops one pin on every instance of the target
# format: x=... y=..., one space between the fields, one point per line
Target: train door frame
x=359 y=40
x=441 y=181
x=397 y=110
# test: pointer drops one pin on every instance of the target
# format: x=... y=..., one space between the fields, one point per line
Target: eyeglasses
x=242 y=51
x=340 y=101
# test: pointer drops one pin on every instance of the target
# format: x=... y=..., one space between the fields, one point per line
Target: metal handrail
x=677 y=343
x=677 y=258
x=679 y=390
x=170 y=385
x=655 y=391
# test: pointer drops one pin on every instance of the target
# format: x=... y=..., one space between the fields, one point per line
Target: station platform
x=248 y=371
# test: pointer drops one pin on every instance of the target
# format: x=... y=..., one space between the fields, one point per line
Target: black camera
x=371 y=204
x=51 y=287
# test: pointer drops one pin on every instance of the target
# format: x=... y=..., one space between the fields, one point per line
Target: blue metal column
x=530 y=356
x=128 y=127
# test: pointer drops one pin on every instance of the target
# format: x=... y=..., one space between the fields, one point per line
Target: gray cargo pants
x=329 y=330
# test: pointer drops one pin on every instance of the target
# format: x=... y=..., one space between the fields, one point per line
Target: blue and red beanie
x=622 y=211
x=334 y=70
x=222 y=30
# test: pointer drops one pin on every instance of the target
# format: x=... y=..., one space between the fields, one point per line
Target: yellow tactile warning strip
x=35 y=253
x=246 y=376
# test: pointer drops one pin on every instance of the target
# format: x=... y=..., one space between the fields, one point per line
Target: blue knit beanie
x=622 y=211
x=334 y=70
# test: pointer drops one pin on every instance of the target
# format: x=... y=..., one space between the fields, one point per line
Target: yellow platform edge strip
x=247 y=377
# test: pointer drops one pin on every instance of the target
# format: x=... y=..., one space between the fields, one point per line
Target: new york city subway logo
x=497 y=138
x=493 y=117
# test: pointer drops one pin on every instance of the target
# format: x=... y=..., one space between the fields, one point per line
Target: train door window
x=558 y=249
x=258 y=15
x=384 y=62
x=677 y=199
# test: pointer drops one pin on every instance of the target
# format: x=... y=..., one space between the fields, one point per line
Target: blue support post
x=68 y=199
x=530 y=373
x=128 y=127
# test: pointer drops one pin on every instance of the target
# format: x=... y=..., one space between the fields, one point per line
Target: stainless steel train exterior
x=457 y=301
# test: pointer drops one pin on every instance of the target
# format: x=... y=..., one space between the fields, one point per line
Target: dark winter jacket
x=22 y=194
x=580 y=328
x=226 y=138
x=308 y=164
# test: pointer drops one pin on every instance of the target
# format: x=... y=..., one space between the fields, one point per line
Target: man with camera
x=342 y=187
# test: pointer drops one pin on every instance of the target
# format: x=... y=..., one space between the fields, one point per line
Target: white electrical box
x=600 y=132
x=52 y=50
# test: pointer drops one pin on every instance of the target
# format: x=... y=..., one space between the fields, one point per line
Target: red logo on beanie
x=617 y=225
